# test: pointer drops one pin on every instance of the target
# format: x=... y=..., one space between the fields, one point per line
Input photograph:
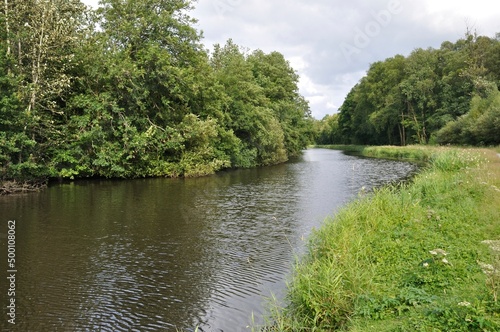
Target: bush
x=481 y=126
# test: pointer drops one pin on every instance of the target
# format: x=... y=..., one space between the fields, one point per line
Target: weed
x=492 y=270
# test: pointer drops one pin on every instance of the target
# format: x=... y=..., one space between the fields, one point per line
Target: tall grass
x=406 y=258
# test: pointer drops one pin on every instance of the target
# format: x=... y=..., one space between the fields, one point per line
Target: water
x=172 y=254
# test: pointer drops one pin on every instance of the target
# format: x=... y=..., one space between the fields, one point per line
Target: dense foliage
x=447 y=95
x=128 y=90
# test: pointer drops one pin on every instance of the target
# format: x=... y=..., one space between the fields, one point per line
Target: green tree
x=346 y=115
x=409 y=99
x=419 y=91
x=327 y=130
x=40 y=40
x=388 y=102
x=279 y=81
x=374 y=110
x=480 y=126
x=492 y=60
x=147 y=82
x=128 y=91
x=153 y=56
x=247 y=110
x=14 y=143
x=454 y=89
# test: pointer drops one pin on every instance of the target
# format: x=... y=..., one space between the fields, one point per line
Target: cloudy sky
x=331 y=43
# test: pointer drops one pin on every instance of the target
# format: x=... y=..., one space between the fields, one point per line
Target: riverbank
x=418 y=153
x=423 y=256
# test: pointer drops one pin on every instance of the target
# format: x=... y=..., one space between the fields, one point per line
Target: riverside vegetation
x=447 y=96
x=128 y=90
x=420 y=256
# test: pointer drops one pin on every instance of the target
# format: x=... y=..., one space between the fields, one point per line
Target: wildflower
x=362 y=191
x=488 y=269
x=438 y=251
x=464 y=304
x=425 y=264
x=444 y=260
x=493 y=244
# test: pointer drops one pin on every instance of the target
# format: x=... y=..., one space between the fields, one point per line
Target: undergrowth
x=422 y=256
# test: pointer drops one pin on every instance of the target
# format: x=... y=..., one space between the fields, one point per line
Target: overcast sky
x=331 y=43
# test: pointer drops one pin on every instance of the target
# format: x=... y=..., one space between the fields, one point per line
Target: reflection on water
x=167 y=254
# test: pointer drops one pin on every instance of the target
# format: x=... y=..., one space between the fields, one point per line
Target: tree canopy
x=447 y=96
x=128 y=90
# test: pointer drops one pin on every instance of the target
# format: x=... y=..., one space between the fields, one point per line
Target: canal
x=173 y=254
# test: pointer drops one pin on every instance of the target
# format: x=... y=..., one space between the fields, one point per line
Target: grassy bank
x=422 y=257
x=410 y=152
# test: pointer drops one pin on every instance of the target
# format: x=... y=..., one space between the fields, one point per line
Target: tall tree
x=414 y=97
x=385 y=95
x=279 y=81
x=149 y=75
x=43 y=41
x=249 y=113
x=418 y=88
x=153 y=56
x=40 y=39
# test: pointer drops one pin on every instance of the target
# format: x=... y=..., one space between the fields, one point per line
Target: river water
x=172 y=254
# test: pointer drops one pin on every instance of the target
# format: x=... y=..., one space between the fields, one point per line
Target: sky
x=331 y=43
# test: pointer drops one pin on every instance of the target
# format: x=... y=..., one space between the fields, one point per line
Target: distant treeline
x=446 y=96
x=128 y=90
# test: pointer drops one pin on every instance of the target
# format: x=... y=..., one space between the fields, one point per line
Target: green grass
x=348 y=148
x=407 y=258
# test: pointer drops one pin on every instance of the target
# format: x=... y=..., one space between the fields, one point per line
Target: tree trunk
x=424 y=132
x=36 y=63
x=418 y=129
x=7 y=27
x=402 y=132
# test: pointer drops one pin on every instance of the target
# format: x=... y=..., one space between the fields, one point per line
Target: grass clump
x=419 y=257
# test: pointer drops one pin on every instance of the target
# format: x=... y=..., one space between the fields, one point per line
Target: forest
x=128 y=90
x=433 y=96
